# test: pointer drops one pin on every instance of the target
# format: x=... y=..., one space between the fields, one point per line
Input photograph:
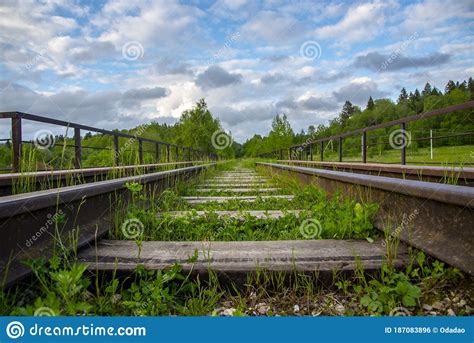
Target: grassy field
x=457 y=155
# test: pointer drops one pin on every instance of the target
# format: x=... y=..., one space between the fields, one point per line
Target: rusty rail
x=29 y=229
x=436 y=218
x=55 y=178
x=455 y=175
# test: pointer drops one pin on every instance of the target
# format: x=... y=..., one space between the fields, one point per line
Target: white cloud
x=361 y=23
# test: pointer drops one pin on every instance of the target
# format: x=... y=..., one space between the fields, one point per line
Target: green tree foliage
x=382 y=110
x=370 y=104
x=194 y=129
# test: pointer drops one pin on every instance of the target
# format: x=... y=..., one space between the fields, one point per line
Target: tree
x=470 y=87
x=427 y=90
x=403 y=95
x=281 y=134
x=196 y=128
x=450 y=86
x=346 y=113
x=370 y=104
x=436 y=92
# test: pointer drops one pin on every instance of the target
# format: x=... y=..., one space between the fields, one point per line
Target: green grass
x=455 y=155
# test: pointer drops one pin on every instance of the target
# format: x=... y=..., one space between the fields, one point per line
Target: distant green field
x=459 y=155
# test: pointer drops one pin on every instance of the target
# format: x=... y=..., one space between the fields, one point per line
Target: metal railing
x=189 y=153
x=307 y=148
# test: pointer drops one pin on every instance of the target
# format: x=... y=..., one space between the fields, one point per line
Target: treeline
x=195 y=128
x=352 y=117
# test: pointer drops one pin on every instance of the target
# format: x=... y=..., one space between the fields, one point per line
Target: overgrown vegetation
x=378 y=111
x=63 y=286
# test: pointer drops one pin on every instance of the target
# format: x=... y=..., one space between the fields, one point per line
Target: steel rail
x=59 y=177
x=32 y=223
x=436 y=218
x=461 y=175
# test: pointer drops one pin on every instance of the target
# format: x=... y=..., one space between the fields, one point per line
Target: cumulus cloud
x=361 y=22
x=110 y=109
x=133 y=97
x=215 y=77
x=391 y=62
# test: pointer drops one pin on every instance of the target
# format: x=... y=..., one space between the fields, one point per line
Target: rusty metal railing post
x=157 y=152
x=364 y=147
x=140 y=150
x=167 y=153
x=404 y=144
x=116 y=150
x=16 y=143
x=311 y=151
x=177 y=153
x=340 y=149
x=322 y=150
x=77 y=148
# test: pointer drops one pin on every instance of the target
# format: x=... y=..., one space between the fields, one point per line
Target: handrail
x=17 y=117
x=363 y=131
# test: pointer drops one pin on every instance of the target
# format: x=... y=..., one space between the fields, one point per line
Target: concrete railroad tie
x=236 y=214
x=204 y=199
x=237 y=190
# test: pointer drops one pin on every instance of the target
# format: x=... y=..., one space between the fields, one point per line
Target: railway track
x=236 y=259
x=33 y=223
x=463 y=176
x=442 y=225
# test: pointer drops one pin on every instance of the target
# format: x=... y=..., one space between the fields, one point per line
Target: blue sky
x=117 y=64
